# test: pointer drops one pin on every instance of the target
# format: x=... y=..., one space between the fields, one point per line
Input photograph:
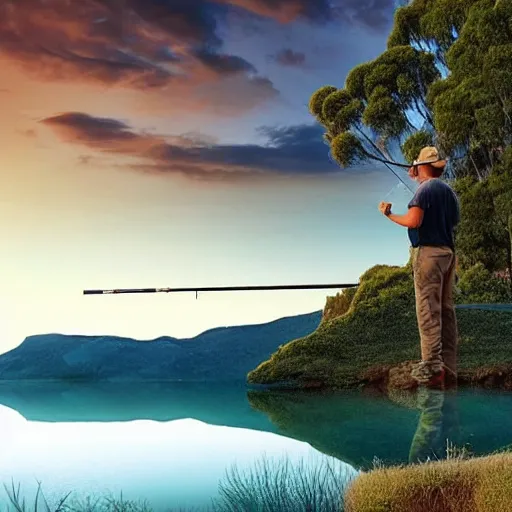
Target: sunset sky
x=168 y=143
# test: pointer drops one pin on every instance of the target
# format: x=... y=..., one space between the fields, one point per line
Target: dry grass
x=475 y=485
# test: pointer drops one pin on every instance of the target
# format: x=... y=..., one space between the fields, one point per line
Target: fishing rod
x=117 y=291
x=219 y=289
x=252 y=288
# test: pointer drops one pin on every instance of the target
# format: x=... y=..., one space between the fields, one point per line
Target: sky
x=167 y=143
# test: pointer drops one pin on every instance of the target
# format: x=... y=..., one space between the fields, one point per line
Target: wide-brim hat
x=429 y=155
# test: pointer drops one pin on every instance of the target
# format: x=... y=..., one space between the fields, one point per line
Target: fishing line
x=401 y=180
x=387 y=164
x=392 y=190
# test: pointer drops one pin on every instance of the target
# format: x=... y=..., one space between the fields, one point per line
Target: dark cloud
x=61 y=40
x=87 y=128
x=286 y=11
x=197 y=18
x=290 y=151
x=237 y=93
x=374 y=14
x=117 y=67
x=288 y=57
x=169 y=45
x=173 y=47
x=102 y=134
x=224 y=64
x=189 y=21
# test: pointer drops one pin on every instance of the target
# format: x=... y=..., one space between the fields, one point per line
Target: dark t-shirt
x=441 y=207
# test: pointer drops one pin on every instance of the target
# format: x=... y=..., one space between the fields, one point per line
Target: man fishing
x=432 y=216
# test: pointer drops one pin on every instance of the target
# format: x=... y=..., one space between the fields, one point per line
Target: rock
x=400 y=377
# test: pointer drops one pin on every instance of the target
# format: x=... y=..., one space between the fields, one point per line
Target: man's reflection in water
x=438 y=426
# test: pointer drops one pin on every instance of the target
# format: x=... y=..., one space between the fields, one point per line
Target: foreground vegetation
x=457 y=485
x=375 y=341
x=268 y=486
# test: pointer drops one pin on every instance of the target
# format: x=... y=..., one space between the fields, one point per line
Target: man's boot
x=431 y=375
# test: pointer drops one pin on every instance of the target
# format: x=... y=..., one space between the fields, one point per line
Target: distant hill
x=222 y=354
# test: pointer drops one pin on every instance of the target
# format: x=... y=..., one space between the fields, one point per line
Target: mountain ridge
x=219 y=354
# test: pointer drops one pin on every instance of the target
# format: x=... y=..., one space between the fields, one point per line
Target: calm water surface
x=171 y=444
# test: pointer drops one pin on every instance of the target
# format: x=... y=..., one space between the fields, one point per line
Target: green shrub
x=339 y=304
x=477 y=286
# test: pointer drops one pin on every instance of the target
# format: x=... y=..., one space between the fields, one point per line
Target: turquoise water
x=172 y=444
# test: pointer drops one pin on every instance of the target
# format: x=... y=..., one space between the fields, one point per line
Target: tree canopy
x=444 y=79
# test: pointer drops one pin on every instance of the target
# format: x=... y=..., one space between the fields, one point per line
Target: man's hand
x=385 y=208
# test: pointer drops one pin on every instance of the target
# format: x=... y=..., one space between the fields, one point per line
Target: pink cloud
x=293 y=151
x=137 y=47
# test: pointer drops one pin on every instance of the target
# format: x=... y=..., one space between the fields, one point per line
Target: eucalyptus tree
x=444 y=79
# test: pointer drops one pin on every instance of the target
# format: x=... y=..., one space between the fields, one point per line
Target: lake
x=175 y=444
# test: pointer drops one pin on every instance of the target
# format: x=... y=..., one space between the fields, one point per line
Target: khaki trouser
x=434 y=279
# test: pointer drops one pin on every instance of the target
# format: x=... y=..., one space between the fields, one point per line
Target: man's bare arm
x=412 y=219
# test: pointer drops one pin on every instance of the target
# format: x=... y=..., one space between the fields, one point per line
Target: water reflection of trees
x=402 y=427
x=352 y=427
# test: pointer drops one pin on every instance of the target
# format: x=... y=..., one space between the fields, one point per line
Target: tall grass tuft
x=279 y=486
x=88 y=504
x=107 y=504
x=19 y=504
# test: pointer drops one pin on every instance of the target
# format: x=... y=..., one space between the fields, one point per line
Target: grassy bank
x=375 y=341
x=474 y=485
